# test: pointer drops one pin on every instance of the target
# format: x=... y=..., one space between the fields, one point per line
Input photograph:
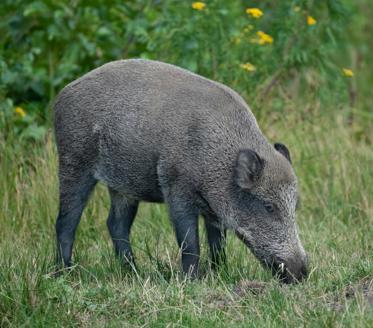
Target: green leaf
x=35 y=8
x=34 y=132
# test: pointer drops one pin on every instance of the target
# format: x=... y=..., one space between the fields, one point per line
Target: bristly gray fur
x=155 y=132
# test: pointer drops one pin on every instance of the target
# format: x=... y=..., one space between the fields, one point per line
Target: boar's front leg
x=121 y=216
x=184 y=216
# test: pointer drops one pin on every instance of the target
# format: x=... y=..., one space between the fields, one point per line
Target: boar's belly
x=134 y=176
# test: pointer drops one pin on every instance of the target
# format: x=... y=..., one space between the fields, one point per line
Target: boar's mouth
x=279 y=268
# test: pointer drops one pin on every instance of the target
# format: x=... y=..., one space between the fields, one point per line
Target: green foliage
x=46 y=44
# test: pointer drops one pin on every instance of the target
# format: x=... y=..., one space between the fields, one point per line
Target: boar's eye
x=270 y=208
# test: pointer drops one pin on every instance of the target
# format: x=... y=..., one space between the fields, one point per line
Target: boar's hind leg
x=185 y=220
x=119 y=222
x=74 y=194
x=216 y=240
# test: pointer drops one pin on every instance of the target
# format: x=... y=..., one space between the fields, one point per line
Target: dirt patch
x=361 y=290
x=364 y=288
x=245 y=287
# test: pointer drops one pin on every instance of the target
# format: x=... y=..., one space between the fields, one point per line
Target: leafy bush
x=46 y=44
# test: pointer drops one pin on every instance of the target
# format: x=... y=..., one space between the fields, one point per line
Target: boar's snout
x=291 y=271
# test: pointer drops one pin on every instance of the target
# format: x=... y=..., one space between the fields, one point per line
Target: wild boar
x=154 y=132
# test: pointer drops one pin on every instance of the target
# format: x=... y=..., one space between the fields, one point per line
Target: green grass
x=335 y=171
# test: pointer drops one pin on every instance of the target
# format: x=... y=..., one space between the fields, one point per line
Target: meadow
x=317 y=103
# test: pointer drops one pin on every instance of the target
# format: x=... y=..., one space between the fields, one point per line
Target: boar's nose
x=292 y=270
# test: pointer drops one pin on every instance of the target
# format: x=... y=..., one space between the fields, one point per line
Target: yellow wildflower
x=264 y=37
x=254 y=12
x=248 y=67
x=347 y=72
x=20 y=111
x=198 y=5
x=311 y=20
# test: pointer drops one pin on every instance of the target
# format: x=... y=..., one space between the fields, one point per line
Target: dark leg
x=119 y=222
x=74 y=194
x=216 y=239
x=185 y=219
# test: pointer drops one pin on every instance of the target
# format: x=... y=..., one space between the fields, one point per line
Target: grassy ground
x=335 y=170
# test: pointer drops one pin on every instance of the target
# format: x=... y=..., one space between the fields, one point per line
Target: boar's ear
x=281 y=148
x=249 y=167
